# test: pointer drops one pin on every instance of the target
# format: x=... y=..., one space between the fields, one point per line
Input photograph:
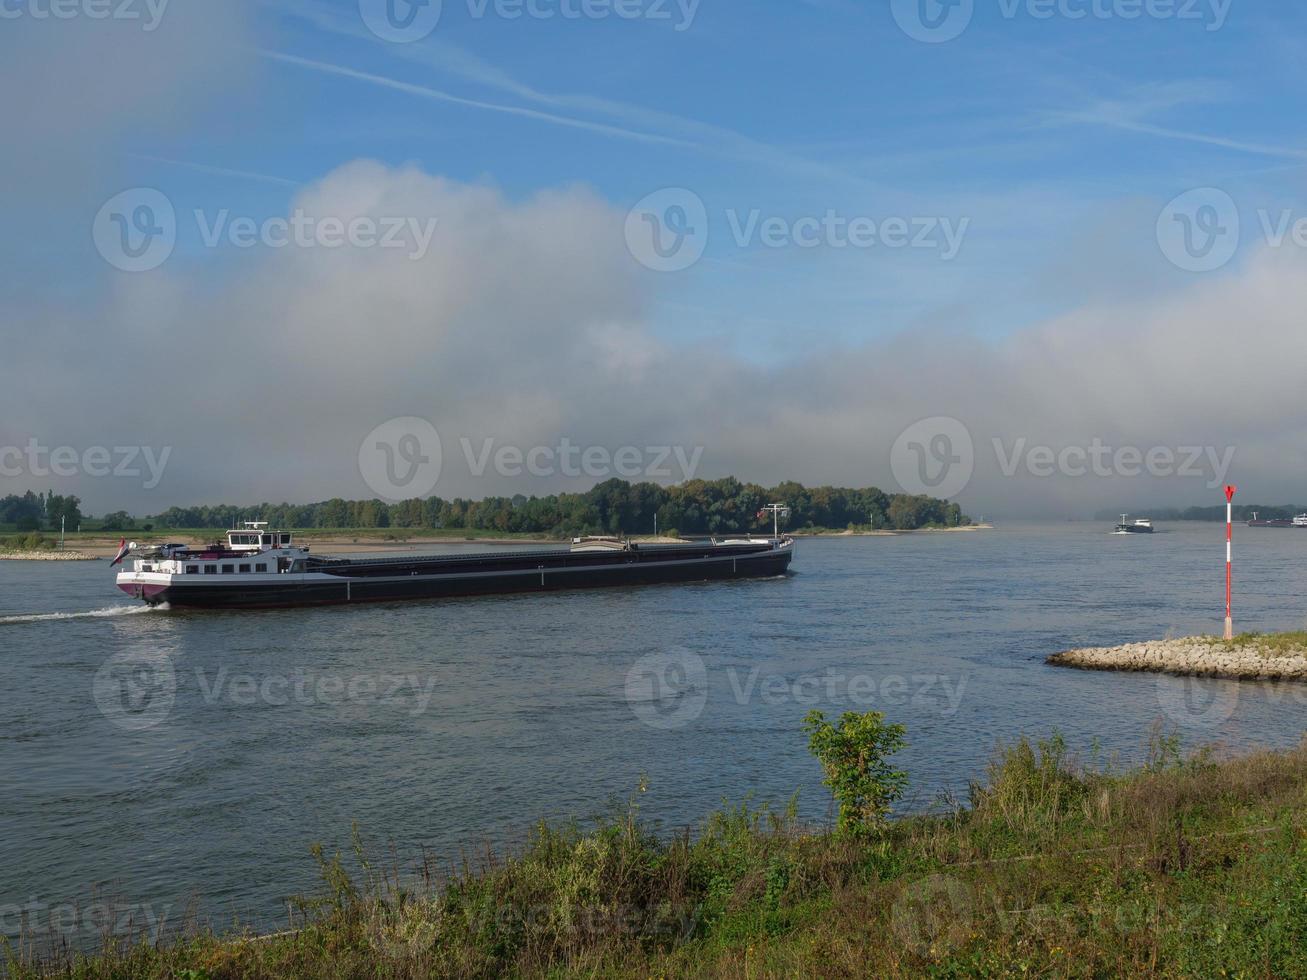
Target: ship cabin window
x=210 y=569
x=267 y=539
x=285 y=540
x=298 y=565
x=261 y=566
x=192 y=569
x=228 y=569
x=147 y=568
x=245 y=569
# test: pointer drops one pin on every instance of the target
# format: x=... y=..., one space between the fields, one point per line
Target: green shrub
x=853 y=756
x=1031 y=786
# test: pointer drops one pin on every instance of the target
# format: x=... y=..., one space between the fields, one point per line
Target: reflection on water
x=171 y=756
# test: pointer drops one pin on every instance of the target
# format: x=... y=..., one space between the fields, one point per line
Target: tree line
x=613 y=507
x=35 y=512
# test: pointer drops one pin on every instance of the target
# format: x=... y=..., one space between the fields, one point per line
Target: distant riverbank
x=49 y=556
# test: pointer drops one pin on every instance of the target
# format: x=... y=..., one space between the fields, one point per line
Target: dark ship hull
x=333 y=581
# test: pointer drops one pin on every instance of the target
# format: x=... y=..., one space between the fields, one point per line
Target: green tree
x=854 y=759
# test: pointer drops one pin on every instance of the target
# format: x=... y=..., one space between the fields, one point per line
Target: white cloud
x=526 y=323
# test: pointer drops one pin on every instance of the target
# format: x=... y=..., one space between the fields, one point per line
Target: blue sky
x=1045 y=133
x=1048 y=144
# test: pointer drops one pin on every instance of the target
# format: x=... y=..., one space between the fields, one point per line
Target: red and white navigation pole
x=1229 y=537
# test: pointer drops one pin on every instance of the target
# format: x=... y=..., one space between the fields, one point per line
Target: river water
x=161 y=761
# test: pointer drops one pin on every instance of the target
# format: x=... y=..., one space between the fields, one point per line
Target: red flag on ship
x=122 y=553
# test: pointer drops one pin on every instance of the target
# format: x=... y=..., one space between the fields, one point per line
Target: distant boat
x=1141 y=525
x=1299 y=521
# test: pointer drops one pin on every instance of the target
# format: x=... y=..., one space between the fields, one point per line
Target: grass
x=29 y=541
x=1187 y=866
x=1288 y=644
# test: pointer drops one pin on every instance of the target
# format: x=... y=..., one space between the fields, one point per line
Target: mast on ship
x=777 y=511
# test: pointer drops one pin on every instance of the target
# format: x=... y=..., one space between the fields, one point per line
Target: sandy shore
x=888 y=534
x=1198 y=656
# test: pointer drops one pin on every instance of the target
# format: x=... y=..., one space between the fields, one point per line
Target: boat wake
x=107 y=612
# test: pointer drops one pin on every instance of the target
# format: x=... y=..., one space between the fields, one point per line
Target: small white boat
x=1140 y=525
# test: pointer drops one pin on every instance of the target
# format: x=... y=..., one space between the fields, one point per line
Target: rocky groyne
x=45 y=556
x=1252 y=657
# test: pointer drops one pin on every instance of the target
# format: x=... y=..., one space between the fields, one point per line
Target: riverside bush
x=853 y=756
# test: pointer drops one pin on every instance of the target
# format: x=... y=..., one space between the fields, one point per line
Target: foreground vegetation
x=1184 y=867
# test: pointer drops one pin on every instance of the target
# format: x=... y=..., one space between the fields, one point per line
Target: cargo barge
x=258 y=568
